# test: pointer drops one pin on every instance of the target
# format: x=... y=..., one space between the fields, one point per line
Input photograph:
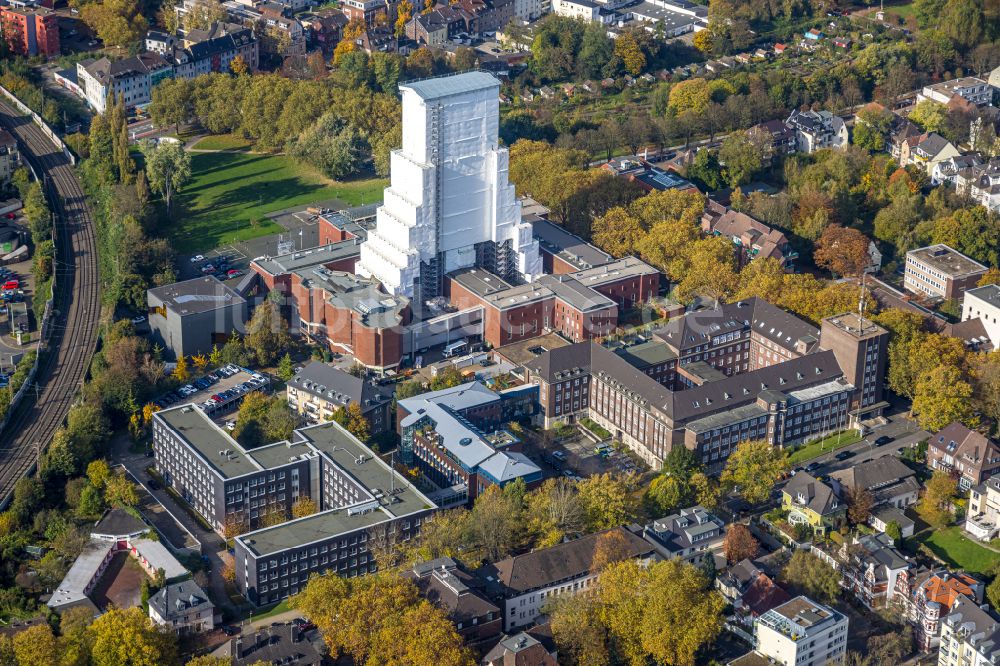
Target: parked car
x=844 y=455
x=812 y=467
x=196 y=258
x=207 y=268
x=559 y=455
x=883 y=440
x=153 y=485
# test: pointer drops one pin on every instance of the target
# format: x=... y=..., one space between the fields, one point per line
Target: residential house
x=520 y=649
x=881 y=517
x=983 y=517
x=809 y=501
x=751 y=591
x=868 y=567
x=282 y=644
x=969 y=88
x=318 y=390
x=815 y=130
x=956 y=171
x=888 y=479
x=901 y=132
x=970 y=456
x=445 y=584
x=183 y=608
x=523 y=584
x=752 y=239
x=927 y=150
x=131 y=78
x=926 y=597
x=799 y=632
x=439 y=25
x=813 y=34
x=691 y=535
x=970 y=636
x=784 y=140
x=982 y=184
x=941 y=272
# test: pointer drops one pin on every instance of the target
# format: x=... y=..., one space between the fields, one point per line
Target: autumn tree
x=743 y=154
x=843 y=251
x=119 y=491
x=711 y=271
x=303 y=506
x=578 y=630
x=36 y=645
x=129 y=636
x=203 y=13
x=380 y=614
x=812 y=576
x=610 y=547
x=116 y=22
x=941 y=396
x=739 y=543
x=76 y=641
x=554 y=511
x=754 y=467
x=267 y=333
x=608 y=500
x=495 y=523
x=627 y=48
x=859 y=505
x=935 y=506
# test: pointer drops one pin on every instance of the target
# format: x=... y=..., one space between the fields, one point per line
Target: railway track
x=73 y=336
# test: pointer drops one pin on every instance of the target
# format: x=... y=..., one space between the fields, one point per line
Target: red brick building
x=31 y=30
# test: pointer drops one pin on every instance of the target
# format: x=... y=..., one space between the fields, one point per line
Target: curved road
x=73 y=335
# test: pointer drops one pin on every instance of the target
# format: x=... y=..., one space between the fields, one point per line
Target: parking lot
x=217 y=393
x=577 y=455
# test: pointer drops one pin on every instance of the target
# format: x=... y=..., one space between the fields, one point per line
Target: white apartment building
x=983 y=519
x=531 y=10
x=802 y=632
x=9 y=156
x=983 y=303
x=969 y=636
x=585 y=10
x=970 y=88
x=132 y=78
x=449 y=204
x=815 y=130
x=940 y=272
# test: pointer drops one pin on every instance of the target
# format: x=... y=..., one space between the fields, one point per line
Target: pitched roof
x=817 y=495
x=763 y=595
x=873 y=475
x=567 y=560
x=178 y=599
x=959 y=441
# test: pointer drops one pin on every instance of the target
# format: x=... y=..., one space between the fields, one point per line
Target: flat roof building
x=193 y=316
x=802 y=632
x=941 y=272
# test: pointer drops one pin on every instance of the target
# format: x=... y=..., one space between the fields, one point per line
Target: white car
x=196 y=258
x=138 y=319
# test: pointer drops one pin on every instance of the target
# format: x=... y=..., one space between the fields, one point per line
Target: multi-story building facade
x=581 y=305
x=970 y=88
x=888 y=479
x=319 y=390
x=869 y=568
x=450 y=587
x=449 y=205
x=562 y=252
x=10 y=157
x=983 y=518
x=30 y=30
x=522 y=585
x=193 y=316
x=983 y=303
x=691 y=534
x=456 y=437
x=718 y=377
x=132 y=79
x=362 y=502
x=927 y=150
x=802 y=632
x=213 y=50
x=926 y=597
x=941 y=272
x=962 y=452
x=815 y=130
x=970 y=636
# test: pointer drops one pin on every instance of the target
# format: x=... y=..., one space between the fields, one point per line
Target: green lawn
x=958 y=550
x=228 y=190
x=821 y=446
x=222 y=142
x=276 y=610
x=905 y=10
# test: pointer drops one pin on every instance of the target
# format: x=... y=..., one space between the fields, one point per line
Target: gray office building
x=190 y=317
x=362 y=502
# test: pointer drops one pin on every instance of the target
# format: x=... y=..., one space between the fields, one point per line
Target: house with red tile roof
x=928 y=596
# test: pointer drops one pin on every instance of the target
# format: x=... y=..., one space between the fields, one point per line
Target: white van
x=456 y=349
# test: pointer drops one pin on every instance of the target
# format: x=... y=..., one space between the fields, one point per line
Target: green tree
x=596 y=51
x=267 y=333
x=286 y=370
x=36 y=645
x=753 y=468
x=871 y=128
x=930 y=115
x=744 y=153
x=172 y=103
x=812 y=576
x=608 y=500
x=168 y=168
x=935 y=506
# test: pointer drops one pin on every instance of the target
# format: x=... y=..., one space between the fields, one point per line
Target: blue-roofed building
x=457 y=438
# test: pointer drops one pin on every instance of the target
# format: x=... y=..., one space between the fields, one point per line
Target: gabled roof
x=874 y=474
x=959 y=441
x=763 y=595
x=817 y=495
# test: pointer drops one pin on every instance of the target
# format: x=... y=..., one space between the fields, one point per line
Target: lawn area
x=821 y=446
x=222 y=142
x=282 y=607
x=958 y=550
x=904 y=10
x=228 y=190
